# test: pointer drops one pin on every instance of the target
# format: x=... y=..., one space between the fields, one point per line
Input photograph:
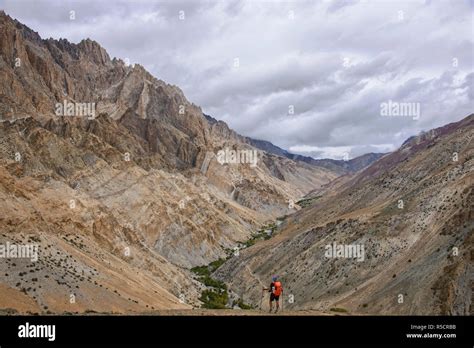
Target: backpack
x=277 y=288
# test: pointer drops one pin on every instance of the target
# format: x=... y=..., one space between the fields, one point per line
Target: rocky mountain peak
x=94 y=51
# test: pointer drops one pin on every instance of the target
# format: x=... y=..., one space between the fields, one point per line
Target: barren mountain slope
x=412 y=210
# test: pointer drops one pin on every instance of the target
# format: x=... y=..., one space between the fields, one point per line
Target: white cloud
x=336 y=152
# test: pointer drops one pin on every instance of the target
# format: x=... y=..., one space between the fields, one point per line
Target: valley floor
x=210 y=312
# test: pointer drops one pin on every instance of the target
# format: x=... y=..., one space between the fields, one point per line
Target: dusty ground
x=233 y=312
x=215 y=312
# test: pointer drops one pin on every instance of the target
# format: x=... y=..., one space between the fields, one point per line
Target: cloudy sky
x=309 y=76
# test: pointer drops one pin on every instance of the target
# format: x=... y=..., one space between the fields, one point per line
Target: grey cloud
x=287 y=61
x=338 y=5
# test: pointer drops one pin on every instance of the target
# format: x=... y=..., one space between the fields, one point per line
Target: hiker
x=275 y=291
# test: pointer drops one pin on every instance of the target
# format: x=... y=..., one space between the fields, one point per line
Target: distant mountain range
x=338 y=166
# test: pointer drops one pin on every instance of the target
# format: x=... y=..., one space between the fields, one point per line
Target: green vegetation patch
x=264 y=233
x=214 y=298
x=306 y=202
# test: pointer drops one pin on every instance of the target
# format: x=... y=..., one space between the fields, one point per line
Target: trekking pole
x=282 y=300
x=261 y=300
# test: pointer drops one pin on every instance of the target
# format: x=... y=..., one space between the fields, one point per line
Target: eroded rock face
x=122 y=204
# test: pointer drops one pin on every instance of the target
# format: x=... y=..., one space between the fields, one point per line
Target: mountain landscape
x=140 y=203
